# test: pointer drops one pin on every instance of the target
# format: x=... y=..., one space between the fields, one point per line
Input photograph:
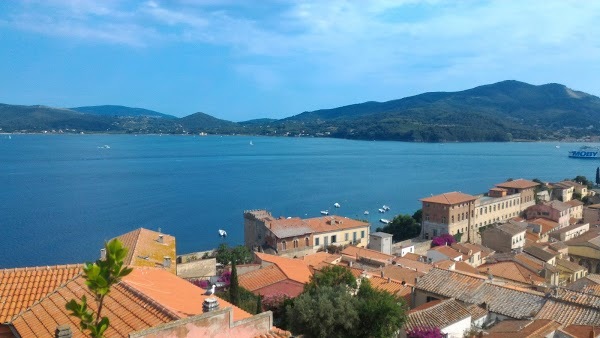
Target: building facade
x=525 y=187
x=449 y=213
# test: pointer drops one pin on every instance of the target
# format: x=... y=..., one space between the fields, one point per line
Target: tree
x=331 y=276
x=381 y=313
x=583 y=180
x=598 y=176
x=326 y=312
x=259 y=304
x=445 y=239
x=402 y=227
x=234 y=285
x=240 y=253
x=418 y=216
x=100 y=278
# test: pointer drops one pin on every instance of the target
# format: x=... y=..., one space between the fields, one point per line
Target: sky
x=240 y=60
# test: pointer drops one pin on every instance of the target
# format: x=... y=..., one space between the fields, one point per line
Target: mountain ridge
x=503 y=111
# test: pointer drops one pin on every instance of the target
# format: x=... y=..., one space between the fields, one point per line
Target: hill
x=120 y=111
x=16 y=118
x=201 y=122
x=497 y=112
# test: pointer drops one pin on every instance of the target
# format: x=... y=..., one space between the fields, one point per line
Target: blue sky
x=240 y=60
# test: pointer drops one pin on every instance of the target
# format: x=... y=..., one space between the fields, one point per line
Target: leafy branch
x=99 y=278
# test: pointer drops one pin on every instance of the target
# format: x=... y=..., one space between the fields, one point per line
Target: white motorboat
x=385 y=207
x=381 y=211
x=366 y=212
x=384 y=221
x=337 y=205
x=325 y=212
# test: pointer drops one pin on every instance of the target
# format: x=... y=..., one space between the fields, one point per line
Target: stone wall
x=200 y=269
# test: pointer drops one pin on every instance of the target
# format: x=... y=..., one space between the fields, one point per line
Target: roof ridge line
x=63 y=285
x=41 y=267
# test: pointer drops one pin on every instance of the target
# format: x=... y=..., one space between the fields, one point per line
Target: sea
x=62 y=196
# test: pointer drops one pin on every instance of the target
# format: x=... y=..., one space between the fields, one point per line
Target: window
x=354 y=236
x=306 y=242
x=346 y=237
x=427 y=217
x=362 y=234
x=317 y=240
x=295 y=243
x=452 y=218
x=443 y=219
x=283 y=246
x=333 y=238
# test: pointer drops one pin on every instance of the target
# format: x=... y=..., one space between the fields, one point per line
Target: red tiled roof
x=146 y=251
x=447 y=251
x=416 y=265
x=356 y=252
x=518 y=184
x=294 y=269
x=414 y=257
x=401 y=274
x=333 y=223
x=21 y=287
x=322 y=256
x=127 y=310
x=260 y=278
x=511 y=271
x=449 y=198
x=391 y=286
x=582 y=331
x=546 y=224
x=465 y=267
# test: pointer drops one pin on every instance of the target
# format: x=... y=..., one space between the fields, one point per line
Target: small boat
x=325 y=212
x=337 y=205
x=385 y=207
x=384 y=221
x=251 y=143
x=557 y=147
x=222 y=233
x=366 y=212
x=381 y=210
x=9 y=137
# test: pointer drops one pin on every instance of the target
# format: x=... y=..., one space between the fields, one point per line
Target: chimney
x=210 y=304
x=103 y=254
x=63 y=331
x=389 y=280
x=350 y=263
x=381 y=274
x=160 y=239
x=167 y=262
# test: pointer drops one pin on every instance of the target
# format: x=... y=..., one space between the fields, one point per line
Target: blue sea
x=62 y=196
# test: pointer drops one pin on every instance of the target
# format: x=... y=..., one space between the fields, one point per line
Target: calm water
x=62 y=196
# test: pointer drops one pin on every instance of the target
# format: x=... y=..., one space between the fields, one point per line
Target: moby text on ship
x=585 y=152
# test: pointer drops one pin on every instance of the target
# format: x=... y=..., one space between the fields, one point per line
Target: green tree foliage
x=598 y=176
x=418 y=216
x=247 y=300
x=328 y=309
x=402 y=227
x=381 y=314
x=99 y=278
x=326 y=312
x=258 y=304
x=583 y=180
x=331 y=276
x=240 y=253
x=234 y=285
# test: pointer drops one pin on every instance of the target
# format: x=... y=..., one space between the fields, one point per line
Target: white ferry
x=585 y=152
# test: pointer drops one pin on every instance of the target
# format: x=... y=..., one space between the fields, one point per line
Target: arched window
x=306 y=242
x=295 y=243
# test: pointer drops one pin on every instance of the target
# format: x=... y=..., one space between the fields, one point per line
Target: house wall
x=591 y=215
x=576 y=212
x=436 y=256
x=441 y=219
x=458 y=329
x=216 y=324
x=497 y=240
x=254 y=230
x=342 y=237
x=381 y=244
x=490 y=210
x=546 y=211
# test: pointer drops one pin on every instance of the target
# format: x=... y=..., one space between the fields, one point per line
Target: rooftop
x=558 y=205
x=539 y=252
x=294 y=269
x=546 y=225
x=381 y=234
x=357 y=253
x=512 y=271
x=258 y=279
x=146 y=250
x=512 y=228
x=439 y=313
x=401 y=274
x=333 y=223
x=450 y=198
x=447 y=251
x=318 y=257
x=21 y=287
x=518 y=184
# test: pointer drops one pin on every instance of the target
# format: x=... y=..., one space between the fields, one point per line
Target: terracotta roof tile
x=518 y=184
x=357 y=253
x=450 y=198
x=414 y=257
x=415 y=265
x=294 y=269
x=440 y=314
x=145 y=250
x=390 y=286
x=511 y=271
x=582 y=331
x=523 y=328
x=465 y=267
x=322 y=256
x=568 y=313
x=21 y=287
x=401 y=274
x=333 y=223
x=447 y=251
x=260 y=278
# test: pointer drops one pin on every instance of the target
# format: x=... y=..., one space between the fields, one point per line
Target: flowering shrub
x=424 y=332
x=275 y=303
x=445 y=239
x=201 y=283
x=225 y=277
